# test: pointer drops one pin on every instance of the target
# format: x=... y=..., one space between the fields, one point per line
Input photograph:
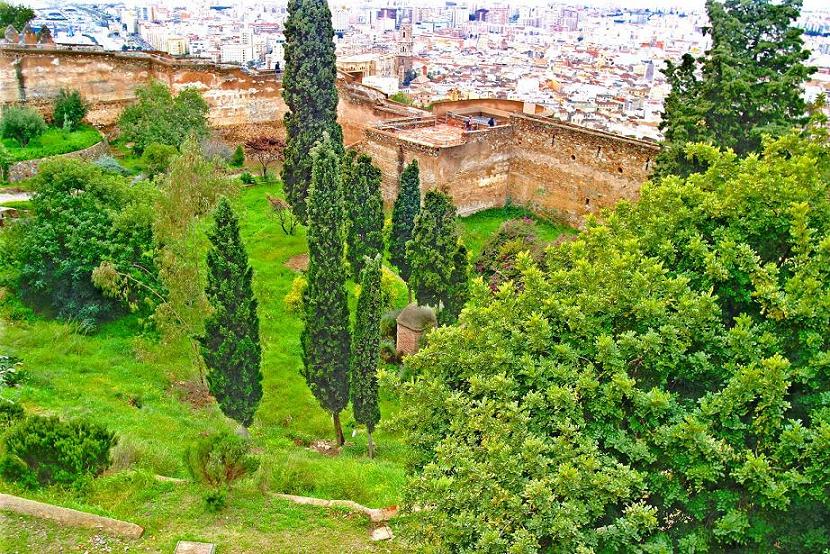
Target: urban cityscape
x=591 y=66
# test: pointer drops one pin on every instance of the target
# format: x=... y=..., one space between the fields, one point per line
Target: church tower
x=406 y=45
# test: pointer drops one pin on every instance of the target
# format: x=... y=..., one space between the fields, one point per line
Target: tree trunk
x=338 y=429
x=371 y=445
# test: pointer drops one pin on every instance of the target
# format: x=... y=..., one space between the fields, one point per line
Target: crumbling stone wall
x=28 y=168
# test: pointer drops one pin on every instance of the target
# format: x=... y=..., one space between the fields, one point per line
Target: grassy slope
x=130 y=383
x=54 y=141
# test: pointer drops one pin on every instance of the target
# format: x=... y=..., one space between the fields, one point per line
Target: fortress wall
x=567 y=172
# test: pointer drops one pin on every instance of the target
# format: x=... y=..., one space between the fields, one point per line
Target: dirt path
x=15 y=196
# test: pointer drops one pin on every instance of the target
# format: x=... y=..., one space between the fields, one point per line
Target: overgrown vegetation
x=68 y=110
x=21 y=124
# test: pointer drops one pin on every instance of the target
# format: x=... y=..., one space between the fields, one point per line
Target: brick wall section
x=407 y=342
x=28 y=168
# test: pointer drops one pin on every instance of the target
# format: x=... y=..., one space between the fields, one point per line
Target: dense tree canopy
x=160 y=117
x=749 y=83
x=308 y=88
x=81 y=218
x=406 y=207
x=663 y=386
x=15 y=15
x=364 y=210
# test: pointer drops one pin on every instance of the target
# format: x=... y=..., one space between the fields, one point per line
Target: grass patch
x=53 y=142
x=477 y=228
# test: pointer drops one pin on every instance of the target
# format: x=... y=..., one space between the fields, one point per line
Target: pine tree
x=404 y=211
x=366 y=350
x=751 y=82
x=364 y=206
x=325 y=337
x=437 y=259
x=310 y=93
x=230 y=345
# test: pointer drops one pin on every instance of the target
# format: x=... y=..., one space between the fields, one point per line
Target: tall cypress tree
x=309 y=91
x=325 y=337
x=750 y=82
x=435 y=258
x=364 y=206
x=230 y=345
x=366 y=350
x=458 y=288
x=404 y=211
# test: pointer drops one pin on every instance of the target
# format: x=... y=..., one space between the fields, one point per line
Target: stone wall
x=28 y=168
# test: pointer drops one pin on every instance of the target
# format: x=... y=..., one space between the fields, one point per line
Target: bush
x=11 y=372
x=294 y=299
x=497 y=261
x=112 y=166
x=216 y=499
x=238 y=157
x=157 y=158
x=216 y=150
x=44 y=450
x=10 y=413
x=220 y=459
x=247 y=178
x=389 y=324
x=69 y=110
x=389 y=352
x=21 y=124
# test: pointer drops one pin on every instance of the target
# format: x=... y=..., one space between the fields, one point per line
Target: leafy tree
x=160 y=117
x=365 y=352
x=265 y=150
x=16 y=16
x=437 y=260
x=238 y=157
x=22 y=124
x=325 y=336
x=364 y=209
x=6 y=161
x=309 y=91
x=404 y=211
x=230 y=344
x=69 y=109
x=157 y=158
x=749 y=83
x=82 y=217
x=662 y=387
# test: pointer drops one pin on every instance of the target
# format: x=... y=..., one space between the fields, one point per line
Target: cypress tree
x=325 y=337
x=436 y=258
x=366 y=350
x=404 y=211
x=364 y=206
x=309 y=91
x=230 y=345
x=458 y=288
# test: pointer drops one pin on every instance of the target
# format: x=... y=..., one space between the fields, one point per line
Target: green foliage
x=389 y=324
x=364 y=210
x=749 y=83
x=159 y=117
x=230 y=345
x=10 y=413
x=294 y=299
x=404 y=211
x=437 y=259
x=219 y=459
x=21 y=124
x=497 y=261
x=44 y=450
x=157 y=158
x=401 y=98
x=52 y=143
x=11 y=371
x=108 y=164
x=308 y=88
x=238 y=157
x=365 y=350
x=216 y=500
x=68 y=110
x=247 y=178
x=5 y=162
x=661 y=387
x=16 y=16
x=81 y=218
x=325 y=337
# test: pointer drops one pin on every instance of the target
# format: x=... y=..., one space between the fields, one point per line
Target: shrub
x=157 y=158
x=220 y=459
x=238 y=157
x=21 y=124
x=216 y=150
x=11 y=372
x=112 y=166
x=389 y=286
x=294 y=299
x=216 y=499
x=44 y=450
x=389 y=352
x=497 y=261
x=5 y=162
x=389 y=324
x=69 y=110
x=247 y=178
x=10 y=413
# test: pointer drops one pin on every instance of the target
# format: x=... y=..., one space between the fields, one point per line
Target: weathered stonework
x=29 y=168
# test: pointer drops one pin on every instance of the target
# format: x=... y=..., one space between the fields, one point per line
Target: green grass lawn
x=477 y=228
x=53 y=142
x=138 y=388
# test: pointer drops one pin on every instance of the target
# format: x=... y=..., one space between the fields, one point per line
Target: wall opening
x=573 y=157
x=648 y=163
x=619 y=170
x=599 y=151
